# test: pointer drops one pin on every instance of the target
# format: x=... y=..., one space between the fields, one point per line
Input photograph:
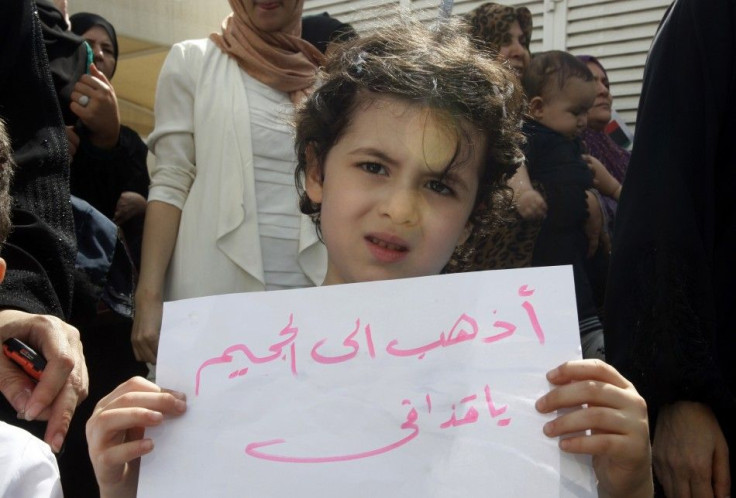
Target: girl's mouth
x=386 y=251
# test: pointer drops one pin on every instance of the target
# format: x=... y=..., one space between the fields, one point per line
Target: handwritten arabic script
x=416 y=387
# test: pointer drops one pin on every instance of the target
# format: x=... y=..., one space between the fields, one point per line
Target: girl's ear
x=313 y=179
x=536 y=107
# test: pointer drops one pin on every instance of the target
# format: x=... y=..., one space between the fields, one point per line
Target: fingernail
x=180 y=405
x=179 y=395
x=539 y=405
x=33 y=411
x=548 y=428
x=553 y=374
x=57 y=443
x=146 y=445
x=20 y=402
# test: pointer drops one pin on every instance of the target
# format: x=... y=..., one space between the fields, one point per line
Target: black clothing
x=67 y=55
x=671 y=285
x=41 y=248
x=99 y=176
x=555 y=162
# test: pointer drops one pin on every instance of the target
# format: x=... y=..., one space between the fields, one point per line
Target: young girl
x=400 y=153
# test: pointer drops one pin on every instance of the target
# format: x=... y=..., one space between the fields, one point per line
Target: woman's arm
x=159 y=238
x=173 y=145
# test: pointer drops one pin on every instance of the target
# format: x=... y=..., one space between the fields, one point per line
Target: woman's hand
x=64 y=382
x=690 y=451
x=616 y=416
x=594 y=223
x=100 y=113
x=146 y=326
x=531 y=205
x=115 y=432
x=129 y=205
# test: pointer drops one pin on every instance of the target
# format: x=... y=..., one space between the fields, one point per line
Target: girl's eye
x=439 y=187
x=373 y=168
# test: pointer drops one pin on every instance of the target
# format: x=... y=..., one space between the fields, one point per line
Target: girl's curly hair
x=437 y=67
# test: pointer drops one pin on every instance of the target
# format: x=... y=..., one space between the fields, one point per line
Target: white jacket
x=204 y=166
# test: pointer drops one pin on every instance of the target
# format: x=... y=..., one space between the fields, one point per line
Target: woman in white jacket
x=223 y=214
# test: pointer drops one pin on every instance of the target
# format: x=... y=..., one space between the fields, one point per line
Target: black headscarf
x=322 y=29
x=84 y=21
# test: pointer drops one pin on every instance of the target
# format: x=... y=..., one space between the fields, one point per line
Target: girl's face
x=600 y=114
x=272 y=15
x=515 y=51
x=388 y=208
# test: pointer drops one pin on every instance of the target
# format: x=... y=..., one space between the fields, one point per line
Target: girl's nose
x=401 y=205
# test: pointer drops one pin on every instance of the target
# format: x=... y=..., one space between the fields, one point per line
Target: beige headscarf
x=281 y=59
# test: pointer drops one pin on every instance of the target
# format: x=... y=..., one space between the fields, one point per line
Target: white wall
x=160 y=21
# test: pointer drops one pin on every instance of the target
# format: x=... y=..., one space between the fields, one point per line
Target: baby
x=561 y=89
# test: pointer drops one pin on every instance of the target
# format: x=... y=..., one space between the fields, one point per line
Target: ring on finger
x=83 y=100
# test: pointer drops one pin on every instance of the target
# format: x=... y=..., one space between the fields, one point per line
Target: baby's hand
x=115 y=432
x=616 y=416
x=531 y=205
x=603 y=181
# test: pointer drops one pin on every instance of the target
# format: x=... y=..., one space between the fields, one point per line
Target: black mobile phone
x=25 y=356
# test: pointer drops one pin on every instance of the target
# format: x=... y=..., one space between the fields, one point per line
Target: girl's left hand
x=616 y=416
x=115 y=432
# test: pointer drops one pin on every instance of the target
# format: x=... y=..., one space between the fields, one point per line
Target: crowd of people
x=417 y=151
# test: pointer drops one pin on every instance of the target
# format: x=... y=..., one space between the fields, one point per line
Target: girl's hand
x=115 y=432
x=603 y=181
x=616 y=416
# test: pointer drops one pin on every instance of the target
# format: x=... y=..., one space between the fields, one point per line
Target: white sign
x=404 y=388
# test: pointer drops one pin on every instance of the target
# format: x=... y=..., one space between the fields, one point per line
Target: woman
x=113 y=180
x=222 y=214
x=505 y=32
x=599 y=144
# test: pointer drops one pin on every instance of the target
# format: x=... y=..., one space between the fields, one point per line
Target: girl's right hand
x=613 y=427
x=146 y=327
x=115 y=432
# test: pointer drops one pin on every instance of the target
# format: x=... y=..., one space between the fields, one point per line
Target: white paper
x=415 y=387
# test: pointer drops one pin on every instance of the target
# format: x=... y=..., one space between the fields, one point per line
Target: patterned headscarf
x=490 y=24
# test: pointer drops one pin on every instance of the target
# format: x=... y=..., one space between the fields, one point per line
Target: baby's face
x=566 y=110
x=389 y=207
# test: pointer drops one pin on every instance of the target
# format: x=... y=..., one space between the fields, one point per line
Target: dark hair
x=435 y=67
x=553 y=66
x=7 y=166
x=588 y=59
x=322 y=29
